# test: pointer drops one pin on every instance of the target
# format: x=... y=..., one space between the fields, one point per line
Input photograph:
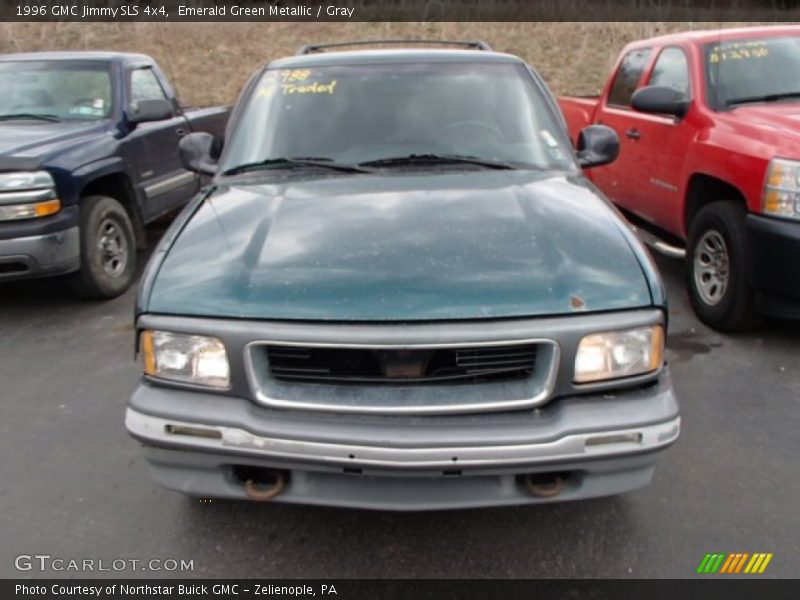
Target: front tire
x=716 y=267
x=108 y=249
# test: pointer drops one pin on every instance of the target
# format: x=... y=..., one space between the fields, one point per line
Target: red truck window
x=628 y=75
x=672 y=70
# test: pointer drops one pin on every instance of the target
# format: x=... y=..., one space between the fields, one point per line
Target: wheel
x=716 y=268
x=108 y=249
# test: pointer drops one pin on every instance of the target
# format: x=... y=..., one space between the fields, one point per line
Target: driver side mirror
x=597 y=145
x=660 y=100
x=198 y=152
x=144 y=111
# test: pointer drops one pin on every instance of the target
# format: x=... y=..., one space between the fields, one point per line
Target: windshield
x=752 y=70
x=361 y=113
x=61 y=89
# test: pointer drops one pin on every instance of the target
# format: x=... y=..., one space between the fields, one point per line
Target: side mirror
x=597 y=145
x=198 y=152
x=660 y=99
x=149 y=110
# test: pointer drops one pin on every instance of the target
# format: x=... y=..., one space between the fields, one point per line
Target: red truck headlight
x=782 y=189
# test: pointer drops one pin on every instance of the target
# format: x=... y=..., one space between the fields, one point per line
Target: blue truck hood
x=401 y=247
x=24 y=143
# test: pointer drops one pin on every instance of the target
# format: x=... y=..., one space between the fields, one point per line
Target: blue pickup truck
x=88 y=156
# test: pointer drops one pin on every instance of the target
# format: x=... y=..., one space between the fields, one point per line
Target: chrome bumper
x=200 y=436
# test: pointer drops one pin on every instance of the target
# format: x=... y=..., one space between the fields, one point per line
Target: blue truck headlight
x=194 y=359
x=27 y=195
x=617 y=354
x=16 y=181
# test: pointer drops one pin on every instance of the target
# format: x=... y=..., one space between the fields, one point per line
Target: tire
x=716 y=268
x=108 y=249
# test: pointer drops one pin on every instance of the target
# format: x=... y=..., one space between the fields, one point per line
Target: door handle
x=181 y=132
x=633 y=134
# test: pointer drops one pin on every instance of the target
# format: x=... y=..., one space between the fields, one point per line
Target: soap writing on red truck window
x=401 y=293
x=709 y=165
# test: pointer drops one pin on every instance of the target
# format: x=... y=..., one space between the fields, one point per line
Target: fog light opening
x=618 y=438
x=193 y=431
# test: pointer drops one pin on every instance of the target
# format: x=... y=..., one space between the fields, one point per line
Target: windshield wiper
x=295 y=162
x=431 y=158
x=31 y=116
x=765 y=98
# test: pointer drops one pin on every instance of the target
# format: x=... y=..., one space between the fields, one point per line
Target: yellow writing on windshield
x=738 y=51
x=294 y=81
x=309 y=88
x=292 y=75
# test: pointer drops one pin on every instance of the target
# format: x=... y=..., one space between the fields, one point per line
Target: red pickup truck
x=709 y=165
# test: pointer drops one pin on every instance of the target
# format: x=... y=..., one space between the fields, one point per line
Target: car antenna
x=168 y=56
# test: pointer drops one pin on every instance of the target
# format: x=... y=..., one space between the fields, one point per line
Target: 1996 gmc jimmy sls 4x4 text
x=399 y=292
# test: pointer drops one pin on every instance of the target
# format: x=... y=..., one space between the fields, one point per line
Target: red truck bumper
x=774 y=249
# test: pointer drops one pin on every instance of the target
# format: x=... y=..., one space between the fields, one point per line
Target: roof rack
x=476 y=44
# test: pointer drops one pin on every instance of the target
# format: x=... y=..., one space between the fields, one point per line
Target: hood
x=774 y=115
x=401 y=247
x=25 y=141
x=774 y=127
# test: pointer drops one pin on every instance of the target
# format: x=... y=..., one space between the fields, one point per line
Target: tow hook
x=265 y=494
x=548 y=486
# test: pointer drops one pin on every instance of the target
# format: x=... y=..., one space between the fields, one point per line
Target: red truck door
x=662 y=144
x=646 y=181
x=619 y=179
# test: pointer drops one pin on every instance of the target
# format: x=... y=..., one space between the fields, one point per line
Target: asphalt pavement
x=73 y=486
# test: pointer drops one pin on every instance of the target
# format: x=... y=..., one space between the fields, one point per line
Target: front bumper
x=600 y=444
x=40 y=247
x=773 y=247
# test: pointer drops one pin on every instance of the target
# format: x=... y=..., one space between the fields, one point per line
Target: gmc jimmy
x=400 y=292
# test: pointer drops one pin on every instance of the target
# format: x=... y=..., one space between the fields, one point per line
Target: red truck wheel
x=716 y=267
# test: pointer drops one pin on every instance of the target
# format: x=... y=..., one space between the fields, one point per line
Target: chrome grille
x=307 y=364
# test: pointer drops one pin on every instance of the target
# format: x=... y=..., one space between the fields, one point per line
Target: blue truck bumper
x=40 y=247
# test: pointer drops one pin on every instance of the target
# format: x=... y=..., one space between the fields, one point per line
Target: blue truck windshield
x=58 y=89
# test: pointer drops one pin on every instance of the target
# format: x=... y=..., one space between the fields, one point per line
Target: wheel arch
x=703 y=189
x=117 y=185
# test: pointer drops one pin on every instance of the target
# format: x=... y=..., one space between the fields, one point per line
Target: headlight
x=25 y=180
x=193 y=359
x=618 y=354
x=27 y=195
x=782 y=189
x=14 y=212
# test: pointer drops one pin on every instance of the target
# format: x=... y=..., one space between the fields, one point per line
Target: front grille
x=482 y=364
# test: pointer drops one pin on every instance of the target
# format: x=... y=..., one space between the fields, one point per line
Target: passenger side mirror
x=661 y=100
x=198 y=152
x=143 y=111
x=597 y=145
